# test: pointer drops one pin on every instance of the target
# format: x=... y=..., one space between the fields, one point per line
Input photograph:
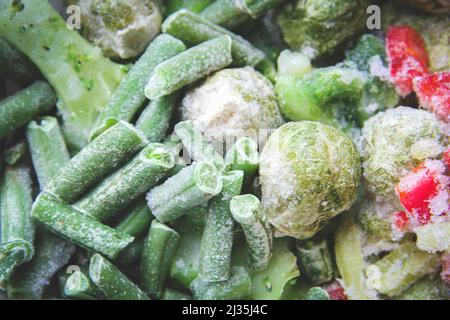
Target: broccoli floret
x=81 y=76
x=122 y=28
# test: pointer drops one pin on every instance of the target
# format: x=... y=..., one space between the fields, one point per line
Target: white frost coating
x=434 y=237
x=426 y=148
x=232 y=102
x=293 y=63
x=378 y=69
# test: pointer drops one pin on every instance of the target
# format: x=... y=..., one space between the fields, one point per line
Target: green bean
x=111 y=282
x=192 y=5
x=217 y=239
x=170 y=294
x=82 y=230
x=15 y=153
x=197 y=146
x=401 y=268
x=192 y=186
x=127 y=184
x=238 y=286
x=17 y=228
x=243 y=155
x=137 y=222
x=79 y=286
x=15 y=65
x=159 y=250
x=193 y=29
x=189 y=66
x=19 y=109
x=129 y=96
x=154 y=121
x=47 y=147
x=247 y=211
x=94 y=162
x=132 y=254
x=315 y=260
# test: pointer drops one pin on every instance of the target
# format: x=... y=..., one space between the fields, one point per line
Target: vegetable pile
x=215 y=150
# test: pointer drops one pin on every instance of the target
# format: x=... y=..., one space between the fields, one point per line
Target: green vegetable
x=427 y=288
x=79 y=286
x=137 y=221
x=309 y=173
x=433 y=237
x=17 y=110
x=170 y=294
x=248 y=212
x=315 y=260
x=189 y=66
x=17 y=228
x=78 y=228
x=15 y=65
x=129 y=95
x=192 y=186
x=111 y=282
x=98 y=159
x=238 y=286
x=217 y=239
x=159 y=250
x=131 y=255
x=243 y=155
x=15 y=153
x=193 y=29
x=192 y=5
x=127 y=184
x=317 y=293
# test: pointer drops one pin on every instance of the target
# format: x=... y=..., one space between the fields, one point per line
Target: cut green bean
x=170 y=294
x=159 y=250
x=193 y=29
x=79 y=286
x=127 y=184
x=401 y=268
x=78 y=228
x=196 y=145
x=315 y=260
x=17 y=228
x=15 y=65
x=15 y=153
x=238 y=286
x=243 y=155
x=137 y=222
x=217 y=240
x=248 y=212
x=189 y=66
x=47 y=147
x=94 y=162
x=129 y=96
x=132 y=254
x=111 y=282
x=154 y=121
x=192 y=186
x=19 y=109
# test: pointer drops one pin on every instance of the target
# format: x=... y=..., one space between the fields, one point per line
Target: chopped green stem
x=13 y=254
x=79 y=286
x=243 y=155
x=15 y=65
x=137 y=222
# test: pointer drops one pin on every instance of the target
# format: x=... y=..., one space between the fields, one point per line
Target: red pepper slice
x=335 y=291
x=433 y=92
x=408 y=57
x=401 y=220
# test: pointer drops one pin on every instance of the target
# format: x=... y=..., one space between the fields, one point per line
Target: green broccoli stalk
x=82 y=78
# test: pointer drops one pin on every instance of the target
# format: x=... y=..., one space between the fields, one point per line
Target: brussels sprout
x=320 y=26
x=122 y=28
x=232 y=102
x=310 y=173
x=387 y=141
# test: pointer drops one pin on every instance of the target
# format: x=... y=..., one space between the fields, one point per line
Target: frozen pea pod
x=79 y=286
x=243 y=155
x=16 y=65
x=80 y=229
x=192 y=186
x=129 y=95
x=137 y=221
x=248 y=212
x=196 y=144
x=128 y=183
x=400 y=268
x=112 y=282
x=159 y=251
x=189 y=66
x=18 y=109
x=95 y=161
x=238 y=286
x=17 y=227
x=217 y=240
x=154 y=121
x=193 y=29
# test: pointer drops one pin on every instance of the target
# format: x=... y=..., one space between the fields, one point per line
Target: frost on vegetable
x=121 y=28
x=318 y=27
x=310 y=173
x=82 y=78
x=232 y=102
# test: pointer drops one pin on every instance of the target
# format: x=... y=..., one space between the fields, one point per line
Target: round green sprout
x=121 y=28
x=233 y=102
x=310 y=172
x=393 y=142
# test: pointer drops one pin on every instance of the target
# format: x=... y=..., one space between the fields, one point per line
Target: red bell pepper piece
x=433 y=92
x=401 y=221
x=335 y=291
